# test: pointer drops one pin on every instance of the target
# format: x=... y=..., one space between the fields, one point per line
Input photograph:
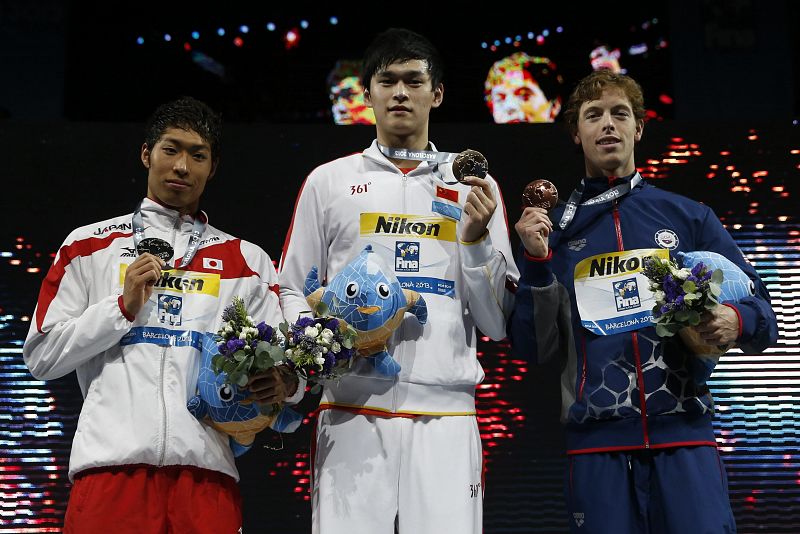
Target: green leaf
x=663 y=331
x=689 y=286
x=691 y=297
x=717 y=277
x=714 y=288
x=694 y=318
x=229 y=366
x=239 y=355
x=316 y=389
x=284 y=328
x=681 y=315
x=238 y=378
x=322 y=309
x=276 y=354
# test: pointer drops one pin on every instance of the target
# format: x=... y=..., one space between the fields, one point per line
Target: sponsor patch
x=402 y=225
x=178 y=281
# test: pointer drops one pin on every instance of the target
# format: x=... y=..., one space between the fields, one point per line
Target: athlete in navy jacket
x=642 y=452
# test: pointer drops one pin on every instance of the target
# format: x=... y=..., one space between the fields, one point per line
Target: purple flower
x=235 y=344
x=332 y=325
x=264 y=331
x=222 y=348
x=698 y=269
x=229 y=313
x=303 y=322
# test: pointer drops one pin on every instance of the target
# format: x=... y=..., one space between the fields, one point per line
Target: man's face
x=520 y=99
x=402 y=97
x=607 y=132
x=349 y=106
x=179 y=165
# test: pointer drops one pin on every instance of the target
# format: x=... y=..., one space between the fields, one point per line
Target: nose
x=608 y=124
x=181 y=165
x=400 y=92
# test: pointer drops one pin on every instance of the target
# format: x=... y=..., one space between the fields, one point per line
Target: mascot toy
x=735 y=286
x=223 y=406
x=367 y=296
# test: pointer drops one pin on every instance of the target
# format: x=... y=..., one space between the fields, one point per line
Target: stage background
x=75 y=87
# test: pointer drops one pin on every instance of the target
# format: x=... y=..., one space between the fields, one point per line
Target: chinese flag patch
x=448 y=194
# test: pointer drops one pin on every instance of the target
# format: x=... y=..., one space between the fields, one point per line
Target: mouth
x=608 y=141
x=399 y=109
x=177 y=185
x=368 y=310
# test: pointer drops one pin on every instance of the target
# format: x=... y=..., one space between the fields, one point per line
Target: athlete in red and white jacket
x=136 y=388
x=126 y=305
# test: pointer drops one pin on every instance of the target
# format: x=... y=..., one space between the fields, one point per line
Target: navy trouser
x=667 y=491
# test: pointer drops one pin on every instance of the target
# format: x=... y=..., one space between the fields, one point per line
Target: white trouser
x=426 y=471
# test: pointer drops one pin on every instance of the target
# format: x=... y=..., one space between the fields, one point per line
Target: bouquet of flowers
x=319 y=348
x=681 y=294
x=245 y=348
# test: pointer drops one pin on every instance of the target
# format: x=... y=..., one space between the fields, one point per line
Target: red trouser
x=153 y=500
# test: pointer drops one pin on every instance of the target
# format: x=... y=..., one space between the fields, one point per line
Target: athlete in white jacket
x=404 y=446
x=131 y=324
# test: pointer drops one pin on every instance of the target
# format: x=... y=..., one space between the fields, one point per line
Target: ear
x=576 y=138
x=367 y=99
x=145 y=156
x=438 y=96
x=639 y=130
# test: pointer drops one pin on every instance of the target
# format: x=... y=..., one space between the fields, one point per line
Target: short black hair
x=400 y=44
x=186 y=113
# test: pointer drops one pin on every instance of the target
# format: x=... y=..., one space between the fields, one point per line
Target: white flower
x=348 y=343
x=228 y=328
x=659 y=296
x=289 y=353
x=310 y=331
x=327 y=336
x=336 y=347
x=324 y=350
x=319 y=360
x=243 y=334
x=250 y=320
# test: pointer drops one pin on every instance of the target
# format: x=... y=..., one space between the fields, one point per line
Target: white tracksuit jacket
x=136 y=377
x=411 y=221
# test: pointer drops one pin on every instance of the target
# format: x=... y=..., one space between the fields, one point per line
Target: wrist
x=125 y=312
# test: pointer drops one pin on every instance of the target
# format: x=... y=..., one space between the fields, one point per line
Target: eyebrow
x=613 y=108
x=192 y=148
x=411 y=72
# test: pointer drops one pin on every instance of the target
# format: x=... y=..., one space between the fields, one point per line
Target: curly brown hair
x=591 y=88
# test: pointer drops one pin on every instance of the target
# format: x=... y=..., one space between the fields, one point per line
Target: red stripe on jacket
x=82 y=247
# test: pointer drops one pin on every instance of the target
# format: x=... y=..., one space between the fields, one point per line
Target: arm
x=751 y=322
x=66 y=331
x=488 y=263
x=305 y=247
x=540 y=327
x=278 y=384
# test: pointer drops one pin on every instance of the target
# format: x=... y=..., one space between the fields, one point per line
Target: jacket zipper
x=162 y=395
x=399 y=331
x=634 y=339
x=163 y=407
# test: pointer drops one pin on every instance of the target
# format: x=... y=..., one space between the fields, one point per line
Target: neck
x=621 y=171
x=410 y=142
x=186 y=210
